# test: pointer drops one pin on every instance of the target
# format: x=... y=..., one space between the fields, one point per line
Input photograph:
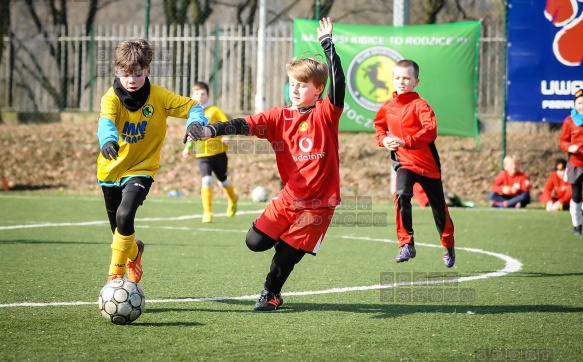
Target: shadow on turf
x=545 y=275
x=28 y=241
x=385 y=310
x=24 y=187
x=168 y=324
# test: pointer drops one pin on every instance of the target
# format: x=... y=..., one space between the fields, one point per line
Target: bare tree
x=50 y=19
x=324 y=10
x=177 y=15
x=201 y=11
x=58 y=12
x=443 y=11
x=246 y=10
x=430 y=9
x=4 y=26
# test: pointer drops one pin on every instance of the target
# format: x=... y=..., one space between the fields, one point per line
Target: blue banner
x=545 y=53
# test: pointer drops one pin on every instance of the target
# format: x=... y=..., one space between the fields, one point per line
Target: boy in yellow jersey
x=131 y=131
x=211 y=156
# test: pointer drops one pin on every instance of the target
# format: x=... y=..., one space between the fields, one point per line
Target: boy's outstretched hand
x=325 y=27
x=193 y=132
x=197 y=132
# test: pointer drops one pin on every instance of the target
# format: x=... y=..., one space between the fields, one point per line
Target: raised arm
x=337 y=88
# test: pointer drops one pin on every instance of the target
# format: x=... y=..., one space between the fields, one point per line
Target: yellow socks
x=232 y=206
x=122 y=247
x=206 y=194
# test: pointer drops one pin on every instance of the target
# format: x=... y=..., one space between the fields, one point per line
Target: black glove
x=109 y=150
x=193 y=132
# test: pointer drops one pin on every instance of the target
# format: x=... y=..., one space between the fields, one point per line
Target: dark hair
x=560 y=164
x=201 y=85
x=406 y=63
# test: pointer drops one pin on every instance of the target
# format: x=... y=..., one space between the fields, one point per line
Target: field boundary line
x=511 y=266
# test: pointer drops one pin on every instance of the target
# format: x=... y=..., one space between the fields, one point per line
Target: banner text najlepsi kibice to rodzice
x=447 y=56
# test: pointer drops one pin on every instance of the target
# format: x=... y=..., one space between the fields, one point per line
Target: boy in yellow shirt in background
x=211 y=156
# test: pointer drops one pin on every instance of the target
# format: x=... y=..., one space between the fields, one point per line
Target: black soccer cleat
x=268 y=301
x=449 y=257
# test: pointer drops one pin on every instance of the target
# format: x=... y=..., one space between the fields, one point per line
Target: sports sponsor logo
x=567 y=42
x=132 y=133
x=563 y=14
x=370 y=76
x=306 y=144
x=309 y=157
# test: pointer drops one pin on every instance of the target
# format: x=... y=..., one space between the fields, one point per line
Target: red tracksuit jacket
x=410 y=118
x=556 y=189
x=572 y=134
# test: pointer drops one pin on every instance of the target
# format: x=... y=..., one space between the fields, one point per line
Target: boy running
x=406 y=126
x=304 y=136
x=131 y=131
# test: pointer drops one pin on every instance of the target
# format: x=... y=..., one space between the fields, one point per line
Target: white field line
x=511 y=266
x=101 y=222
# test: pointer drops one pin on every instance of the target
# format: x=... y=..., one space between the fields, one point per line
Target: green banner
x=447 y=55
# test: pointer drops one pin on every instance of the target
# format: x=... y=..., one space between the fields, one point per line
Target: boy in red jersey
x=304 y=136
x=556 y=194
x=571 y=141
x=511 y=187
x=406 y=126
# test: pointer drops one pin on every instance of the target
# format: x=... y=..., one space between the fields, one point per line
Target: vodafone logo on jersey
x=305 y=144
x=567 y=43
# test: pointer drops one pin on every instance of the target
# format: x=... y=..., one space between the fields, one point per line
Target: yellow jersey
x=140 y=134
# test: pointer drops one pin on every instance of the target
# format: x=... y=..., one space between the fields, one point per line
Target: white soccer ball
x=121 y=301
x=259 y=194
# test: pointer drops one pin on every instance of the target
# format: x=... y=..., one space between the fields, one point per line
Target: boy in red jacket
x=406 y=126
x=556 y=193
x=571 y=141
x=511 y=187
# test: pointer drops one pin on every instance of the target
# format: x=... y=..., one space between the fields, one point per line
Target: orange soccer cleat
x=134 y=268
x=114 y=276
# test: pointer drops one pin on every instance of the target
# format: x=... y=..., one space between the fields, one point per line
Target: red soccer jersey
x=519 y=181
x=306 y=151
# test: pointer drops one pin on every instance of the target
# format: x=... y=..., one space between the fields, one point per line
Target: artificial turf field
x=515 y=293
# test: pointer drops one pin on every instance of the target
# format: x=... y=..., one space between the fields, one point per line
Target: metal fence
x=70 y=71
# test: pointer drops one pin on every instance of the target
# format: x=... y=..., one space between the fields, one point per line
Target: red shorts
x=302 y=229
